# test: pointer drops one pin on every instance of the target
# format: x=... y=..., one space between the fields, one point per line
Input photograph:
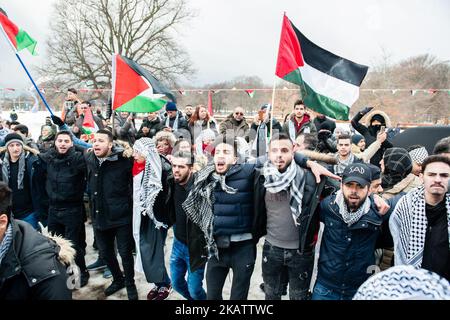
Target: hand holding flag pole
x=27 y=42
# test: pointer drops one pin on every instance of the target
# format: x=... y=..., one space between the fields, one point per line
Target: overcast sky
x=229 y=38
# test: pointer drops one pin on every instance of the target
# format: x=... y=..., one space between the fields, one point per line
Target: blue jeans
x=179 y=265
x=321 y=292
x=32 y=219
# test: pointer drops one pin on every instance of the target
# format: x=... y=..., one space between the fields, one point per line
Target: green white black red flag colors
x=329 y=84
x=89 y=125
x=134 y=89
x=251 y=93
x=18 y=38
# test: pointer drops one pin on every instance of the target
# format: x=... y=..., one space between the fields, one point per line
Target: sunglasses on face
x=239 y=113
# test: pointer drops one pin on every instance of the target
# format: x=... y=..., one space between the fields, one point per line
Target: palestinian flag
x=250 y=93
x=89 y=125
x=329 y=84
x=134 y=89
x=18 y=38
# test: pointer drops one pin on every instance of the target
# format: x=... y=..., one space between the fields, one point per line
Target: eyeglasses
x=239 y=113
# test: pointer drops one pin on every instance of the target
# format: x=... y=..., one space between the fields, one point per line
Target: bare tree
x=85 y=34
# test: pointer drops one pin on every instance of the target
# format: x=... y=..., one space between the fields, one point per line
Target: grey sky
x=229 y=38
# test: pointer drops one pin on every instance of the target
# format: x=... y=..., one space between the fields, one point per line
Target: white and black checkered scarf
x=408 y=226
x=200 y=202
x=292 y=180
x=6 y=243
x=151 y=184
x=351 y=217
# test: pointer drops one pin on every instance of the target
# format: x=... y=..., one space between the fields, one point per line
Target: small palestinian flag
x=182 y=92
x=329 y=84
x=250 y=93
x=18 y=38
x=134 y=89
x=89 y=125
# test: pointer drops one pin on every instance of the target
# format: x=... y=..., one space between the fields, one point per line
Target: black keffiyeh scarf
x=200 y=202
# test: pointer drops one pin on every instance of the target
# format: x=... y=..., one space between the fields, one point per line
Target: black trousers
x=69 y=223
x=125 y=244
x=239 y=257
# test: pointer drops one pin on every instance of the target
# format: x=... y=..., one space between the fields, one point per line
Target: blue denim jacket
x=347 y=253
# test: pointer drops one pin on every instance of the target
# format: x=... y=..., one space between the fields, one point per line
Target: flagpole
x=34 y=84
x=271 y=111
x=26 y=70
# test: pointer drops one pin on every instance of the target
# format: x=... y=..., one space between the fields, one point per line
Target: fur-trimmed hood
x=127 y=149
x=25 y=148
x=66 y=253
x=370 y=115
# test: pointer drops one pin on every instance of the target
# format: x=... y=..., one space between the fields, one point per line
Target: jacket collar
x=372 y=216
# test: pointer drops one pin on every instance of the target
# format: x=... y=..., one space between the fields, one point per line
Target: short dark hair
x=185 y=155
x=14 y=123
x=59 y=133
x=73 y=90
x=87 y=102
x=435 y=158
x=22 y=128
x=442 y=146
x=5 y=200
x=344 y=136
x=227 y=139
x=310 y=140
x=280 y=136
x=297 y=102
x=108 y=133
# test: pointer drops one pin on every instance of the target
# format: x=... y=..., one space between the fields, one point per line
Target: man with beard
x=188 y=237
x=188 y=111
x=352 y=226
x=420 y=223
x=65 y=184
x=111 y=192
x=292 y=222
x=226 y=203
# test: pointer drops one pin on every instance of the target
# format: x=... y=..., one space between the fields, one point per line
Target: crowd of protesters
x=221 y=187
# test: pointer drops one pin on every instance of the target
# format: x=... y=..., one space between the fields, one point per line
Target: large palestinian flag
x=134 y=89
x=329 y=84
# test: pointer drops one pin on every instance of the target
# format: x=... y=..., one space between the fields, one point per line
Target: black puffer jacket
x=66 y=177
x=111 y=189
x=31 y=269
x=153 y=125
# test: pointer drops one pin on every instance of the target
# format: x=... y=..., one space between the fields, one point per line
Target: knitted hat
x=356 y=138
x=418 y=155
x=13 y=137
x=170 y=106
x=397 y=165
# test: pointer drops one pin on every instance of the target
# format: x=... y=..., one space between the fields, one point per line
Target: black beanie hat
x=13 y=137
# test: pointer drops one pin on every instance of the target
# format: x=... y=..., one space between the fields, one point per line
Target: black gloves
x=57 y=120
x=366 y=110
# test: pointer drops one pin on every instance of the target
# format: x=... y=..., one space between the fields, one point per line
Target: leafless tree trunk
x=85 y=34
